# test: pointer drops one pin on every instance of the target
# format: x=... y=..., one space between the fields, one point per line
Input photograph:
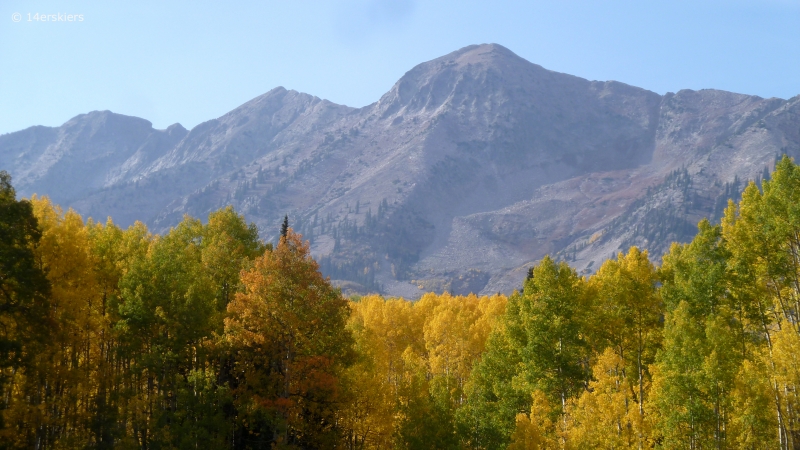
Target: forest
x=207 y=337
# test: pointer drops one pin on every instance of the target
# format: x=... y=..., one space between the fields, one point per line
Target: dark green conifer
x=285 y=226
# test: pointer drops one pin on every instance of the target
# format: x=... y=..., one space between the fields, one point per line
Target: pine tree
x=285 y=226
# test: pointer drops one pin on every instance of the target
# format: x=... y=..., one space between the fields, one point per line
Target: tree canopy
x=207 y=337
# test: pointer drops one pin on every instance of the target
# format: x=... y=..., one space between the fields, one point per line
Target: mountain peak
x=485 y=70
x=177 y=129
x=472 y=56
x=95 y=121
x=481 y=53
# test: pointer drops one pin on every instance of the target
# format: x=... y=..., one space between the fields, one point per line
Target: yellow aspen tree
x=536 y=430
x=58 y=395
x=455 y=332
x=763 y=234
x=753 y=422
x=451 y=342
x=786 y=356
x=370 y=413
x=605 y=416
x=628 y=313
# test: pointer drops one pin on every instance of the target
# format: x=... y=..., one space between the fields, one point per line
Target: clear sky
x=188 y=62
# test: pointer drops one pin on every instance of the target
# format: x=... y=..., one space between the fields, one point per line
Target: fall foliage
x=205 y=337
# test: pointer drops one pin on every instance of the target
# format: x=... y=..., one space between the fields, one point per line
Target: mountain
x=471 y=168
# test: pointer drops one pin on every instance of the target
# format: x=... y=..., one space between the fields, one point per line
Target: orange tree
x=288 y=345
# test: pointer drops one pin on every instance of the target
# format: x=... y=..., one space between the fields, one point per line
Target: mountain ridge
x=469 y=169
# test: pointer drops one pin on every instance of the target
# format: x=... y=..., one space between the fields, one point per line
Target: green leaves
x=207 y=337
x=24 y=288
x=539 y=345
x=553 y=320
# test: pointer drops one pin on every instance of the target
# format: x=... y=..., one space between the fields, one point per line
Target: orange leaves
x=287 y=331
x=286 y=300
x=316 y=377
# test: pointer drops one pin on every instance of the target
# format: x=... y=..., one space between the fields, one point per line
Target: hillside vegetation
x=204 y=337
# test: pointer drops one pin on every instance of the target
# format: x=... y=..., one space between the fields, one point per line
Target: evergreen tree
x=285 y=226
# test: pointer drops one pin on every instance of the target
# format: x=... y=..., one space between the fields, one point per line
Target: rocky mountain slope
x=472 y=167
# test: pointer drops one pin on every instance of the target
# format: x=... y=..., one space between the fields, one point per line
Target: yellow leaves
x=392 y=326
x=71 y=357
x=786 y=376
x=387 y=335
x=369 y=413
x=409 y=349
x=535 y=431
x=786 y=353
x=449 y=332
x=751 y=424
x=450 y=340
x=606 y=415
x=627 y=282
x=65 y=253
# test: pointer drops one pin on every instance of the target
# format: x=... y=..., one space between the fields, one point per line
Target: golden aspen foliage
x=606 y=416
x=53 y=401
x=381 y=333
x=455 y=332
x=786 y=381
x=628 y=313
x=752 y=424
x=536 y=430
x=455 y=335
x=414 y=360
x=763 y=234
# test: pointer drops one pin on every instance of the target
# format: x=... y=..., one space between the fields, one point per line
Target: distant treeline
x=207 y=338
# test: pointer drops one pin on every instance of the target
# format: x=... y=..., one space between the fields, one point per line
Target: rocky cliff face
x=471 y=168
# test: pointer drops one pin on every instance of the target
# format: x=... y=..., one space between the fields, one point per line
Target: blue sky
x=187 y=62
